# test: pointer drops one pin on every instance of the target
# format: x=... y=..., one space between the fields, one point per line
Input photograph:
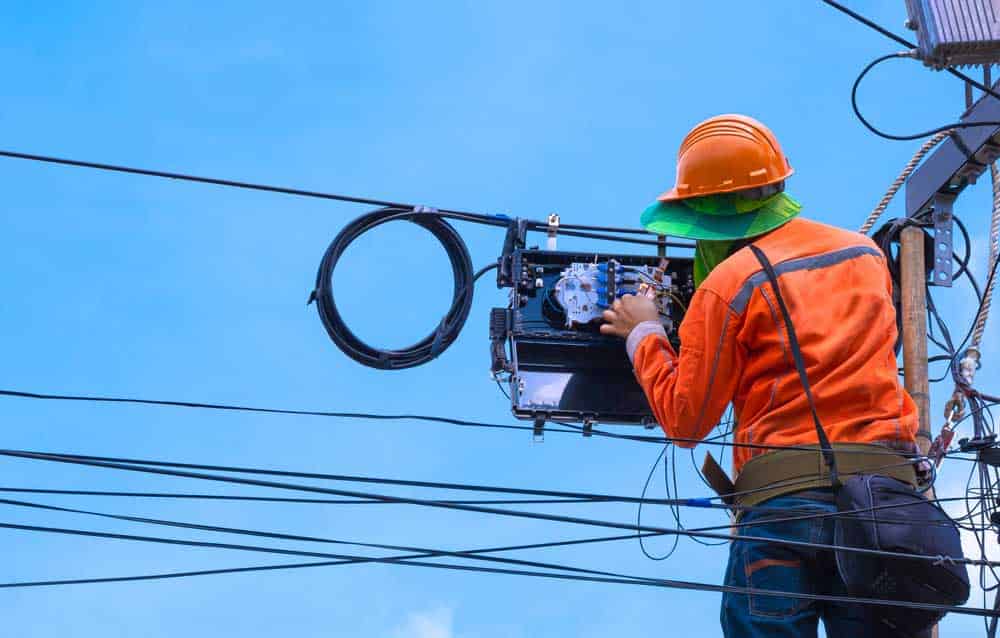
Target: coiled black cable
x=450 y=325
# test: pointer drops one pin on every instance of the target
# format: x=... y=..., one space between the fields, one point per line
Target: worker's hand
x=626 y=313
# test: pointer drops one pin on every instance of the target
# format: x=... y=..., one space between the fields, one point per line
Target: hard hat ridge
x=731 y=172
x=727 y=153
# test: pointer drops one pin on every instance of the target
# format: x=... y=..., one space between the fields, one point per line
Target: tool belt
x=785 y=471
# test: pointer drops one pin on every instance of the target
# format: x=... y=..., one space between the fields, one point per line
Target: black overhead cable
x=913 y=136
x=694 y=502
x=278 y=499
x=421 y=551
x=565 y=428
x=574 y=230
x=578 y=574
x=317 y=413
x=387 y=481
x=203 y=180
x=673 y=503
x=468 y=508
x=301 y=538
x=907 y=54
x=903 y=41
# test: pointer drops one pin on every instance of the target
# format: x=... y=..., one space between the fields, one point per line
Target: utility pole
x=913 y=292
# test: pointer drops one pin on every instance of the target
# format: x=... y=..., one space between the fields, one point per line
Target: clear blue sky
x=134 y=286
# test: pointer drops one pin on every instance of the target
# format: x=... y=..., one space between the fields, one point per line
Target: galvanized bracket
x=941 y=215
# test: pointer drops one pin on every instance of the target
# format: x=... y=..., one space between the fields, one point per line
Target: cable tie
x=944 y=559
x=424 y=209
x=698 y=502
x=437 y=344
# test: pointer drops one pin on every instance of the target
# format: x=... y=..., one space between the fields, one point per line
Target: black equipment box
x=547 y=345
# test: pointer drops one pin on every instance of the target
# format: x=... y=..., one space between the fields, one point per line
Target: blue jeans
x=762 y=565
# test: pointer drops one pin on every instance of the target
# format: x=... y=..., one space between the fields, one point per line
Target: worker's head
x=730 y=185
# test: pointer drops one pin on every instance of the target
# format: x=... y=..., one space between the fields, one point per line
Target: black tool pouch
x=883 y=514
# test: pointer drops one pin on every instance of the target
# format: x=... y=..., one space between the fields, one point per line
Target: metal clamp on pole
x=943 y=250
x=553 y=230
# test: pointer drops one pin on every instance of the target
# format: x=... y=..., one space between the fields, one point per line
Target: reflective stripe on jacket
x=734 y=348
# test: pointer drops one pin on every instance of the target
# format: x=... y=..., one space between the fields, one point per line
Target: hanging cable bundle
x=450 y=325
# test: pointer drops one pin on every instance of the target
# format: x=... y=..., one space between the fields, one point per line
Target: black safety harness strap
x=825 y=447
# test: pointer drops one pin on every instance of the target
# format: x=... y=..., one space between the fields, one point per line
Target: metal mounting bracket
x=552 y=232
x=990 y=456
x=943 y=249
x=538 y=431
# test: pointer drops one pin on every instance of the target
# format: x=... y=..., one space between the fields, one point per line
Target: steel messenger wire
x=71 y=459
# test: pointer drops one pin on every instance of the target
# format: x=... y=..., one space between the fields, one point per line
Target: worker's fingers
x=608 y=329
x=617 y=305
x=609 y=316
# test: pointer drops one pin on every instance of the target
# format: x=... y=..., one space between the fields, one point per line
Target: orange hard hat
x=727 y=153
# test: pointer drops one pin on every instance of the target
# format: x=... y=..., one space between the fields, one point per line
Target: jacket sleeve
x=689 y=392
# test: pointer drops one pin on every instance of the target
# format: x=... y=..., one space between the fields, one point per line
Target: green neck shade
x=710 y=253
x=707 y=255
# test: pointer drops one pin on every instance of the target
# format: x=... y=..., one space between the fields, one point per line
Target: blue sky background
x=134 y=286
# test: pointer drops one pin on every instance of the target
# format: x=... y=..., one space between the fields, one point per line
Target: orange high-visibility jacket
x=734 y=348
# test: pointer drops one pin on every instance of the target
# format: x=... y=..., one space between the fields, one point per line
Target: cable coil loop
x=450 y=325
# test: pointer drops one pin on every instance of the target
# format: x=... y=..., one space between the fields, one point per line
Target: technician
x=729 y=193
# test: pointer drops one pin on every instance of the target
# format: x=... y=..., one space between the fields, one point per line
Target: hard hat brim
x=677 y=219
x=674 y=195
